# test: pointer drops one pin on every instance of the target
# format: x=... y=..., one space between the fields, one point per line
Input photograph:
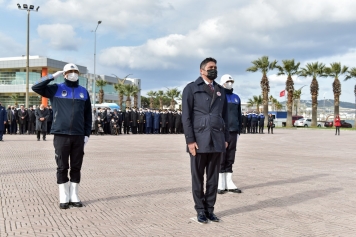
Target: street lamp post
x=99 y=22
x=28 y=9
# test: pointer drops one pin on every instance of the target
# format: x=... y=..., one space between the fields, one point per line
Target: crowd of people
x=136 y=121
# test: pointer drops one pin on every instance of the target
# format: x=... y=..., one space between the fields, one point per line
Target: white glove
x=86 y=139
x=57 y=74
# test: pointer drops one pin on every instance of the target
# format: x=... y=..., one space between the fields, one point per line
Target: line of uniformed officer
x=142 y=121
x=253 y=123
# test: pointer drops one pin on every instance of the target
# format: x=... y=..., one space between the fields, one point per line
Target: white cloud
x=61 y=37
x=9 y=47
x=347 y=59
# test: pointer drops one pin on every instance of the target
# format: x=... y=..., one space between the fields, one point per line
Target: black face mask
x=212 y=74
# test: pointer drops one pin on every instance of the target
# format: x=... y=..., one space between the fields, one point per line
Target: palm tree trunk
x=128 y=102
x=101 y=96
x=151 y=102
x=265 y=90
x=314 y=89
x=290 y=90
x=337 y=93
x=160 y=103
x=135 y=100
x=121 y=98
x=173 y=102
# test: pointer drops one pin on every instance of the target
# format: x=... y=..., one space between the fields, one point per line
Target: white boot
x=64 y=195
x=222 y=183
x=231 y=187
x=74 y=198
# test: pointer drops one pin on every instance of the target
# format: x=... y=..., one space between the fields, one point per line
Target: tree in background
x=15 y=97
x=100 y=83
x=335 y=70
x=263 y=65
x=256 y=100
x=172 y=94
x=289 y=68
x=120 y=90
x=151 y=94
x=351 y=73
x=314 y=70
x=135 y=92
x=160 y=95
x=129 y=91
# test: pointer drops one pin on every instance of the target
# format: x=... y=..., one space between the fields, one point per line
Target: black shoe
x=211 y=216
x=221 y=191
x=64 y=205
x=38 y=139
x=236 y=190
x=44 y=139
x=202 y=218
x=76 y=204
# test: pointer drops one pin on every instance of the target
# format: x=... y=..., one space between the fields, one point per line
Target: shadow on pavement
x=281 y=202
x=154 y=192
x=286 y=181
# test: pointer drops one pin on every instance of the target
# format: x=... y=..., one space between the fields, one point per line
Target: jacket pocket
x=199 y=124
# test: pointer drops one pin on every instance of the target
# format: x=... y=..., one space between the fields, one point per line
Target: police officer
x=244 y=122
x=178 y=122
x=3 y=120
x=228 y=157
x=261 y=122
x=206 y=132
x=149 y=121
x=71 y=127
x=249 y=116
x=134 y=120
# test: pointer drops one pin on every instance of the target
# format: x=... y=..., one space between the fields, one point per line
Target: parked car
x=328 y=124
x=303 y=122
x=345 y=124
x=295 y=118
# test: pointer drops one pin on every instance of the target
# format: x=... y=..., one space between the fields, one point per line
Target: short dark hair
x=206 y=61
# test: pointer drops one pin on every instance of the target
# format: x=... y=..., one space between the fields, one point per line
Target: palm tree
x=120 y=90
x=100 y=83
x=15 y=98
x=352 y=74
x=263 y=65
x=151 y=94
x=129 y=91
x=289 y=68
x=335 y=70
x=256 y=100
x=296 y=96
x=278 y=106
x=172 y=94
x=160 y=95
x=314 y=70
x=272 y=100
x=135 y=92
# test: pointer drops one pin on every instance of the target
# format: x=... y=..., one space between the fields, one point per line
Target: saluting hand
x=193 y=147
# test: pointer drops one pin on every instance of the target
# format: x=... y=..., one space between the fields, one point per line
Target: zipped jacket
x=234 y=111
x=70 y=104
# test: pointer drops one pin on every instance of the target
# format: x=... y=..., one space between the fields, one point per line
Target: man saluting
x=205 y=128
x=71 y=127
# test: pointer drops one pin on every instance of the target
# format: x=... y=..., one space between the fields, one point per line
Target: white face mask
x=72 y=76
x=228 y=85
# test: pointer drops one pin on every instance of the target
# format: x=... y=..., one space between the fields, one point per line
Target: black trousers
x=270 y=127
x=134 y=129
x=140 y=128
x=49 y=126
x=22 y=128
x=337 y=129
x=126 y=129
x=13 y=127
x=208 y=162
x=39 y=134
x=228 y=157
x=31 y=127
x=254 y=127
x=68 y=146
x=261 y=129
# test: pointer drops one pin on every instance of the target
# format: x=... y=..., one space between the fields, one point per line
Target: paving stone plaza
x=296 y=182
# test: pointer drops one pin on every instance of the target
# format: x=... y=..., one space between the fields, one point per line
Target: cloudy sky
x=163 y=42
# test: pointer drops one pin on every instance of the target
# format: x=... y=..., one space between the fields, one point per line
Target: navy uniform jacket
x=205 y=116
x=261 y=120
x=149 y=119
x=3 y=118
x=71 y=106
x=254 y=118
x=156 y=120
x=234 y=107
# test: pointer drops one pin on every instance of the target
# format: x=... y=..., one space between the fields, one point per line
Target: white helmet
x=226 y=78
x=70 y=66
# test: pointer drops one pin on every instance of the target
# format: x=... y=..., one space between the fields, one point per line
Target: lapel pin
x=218 y=93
